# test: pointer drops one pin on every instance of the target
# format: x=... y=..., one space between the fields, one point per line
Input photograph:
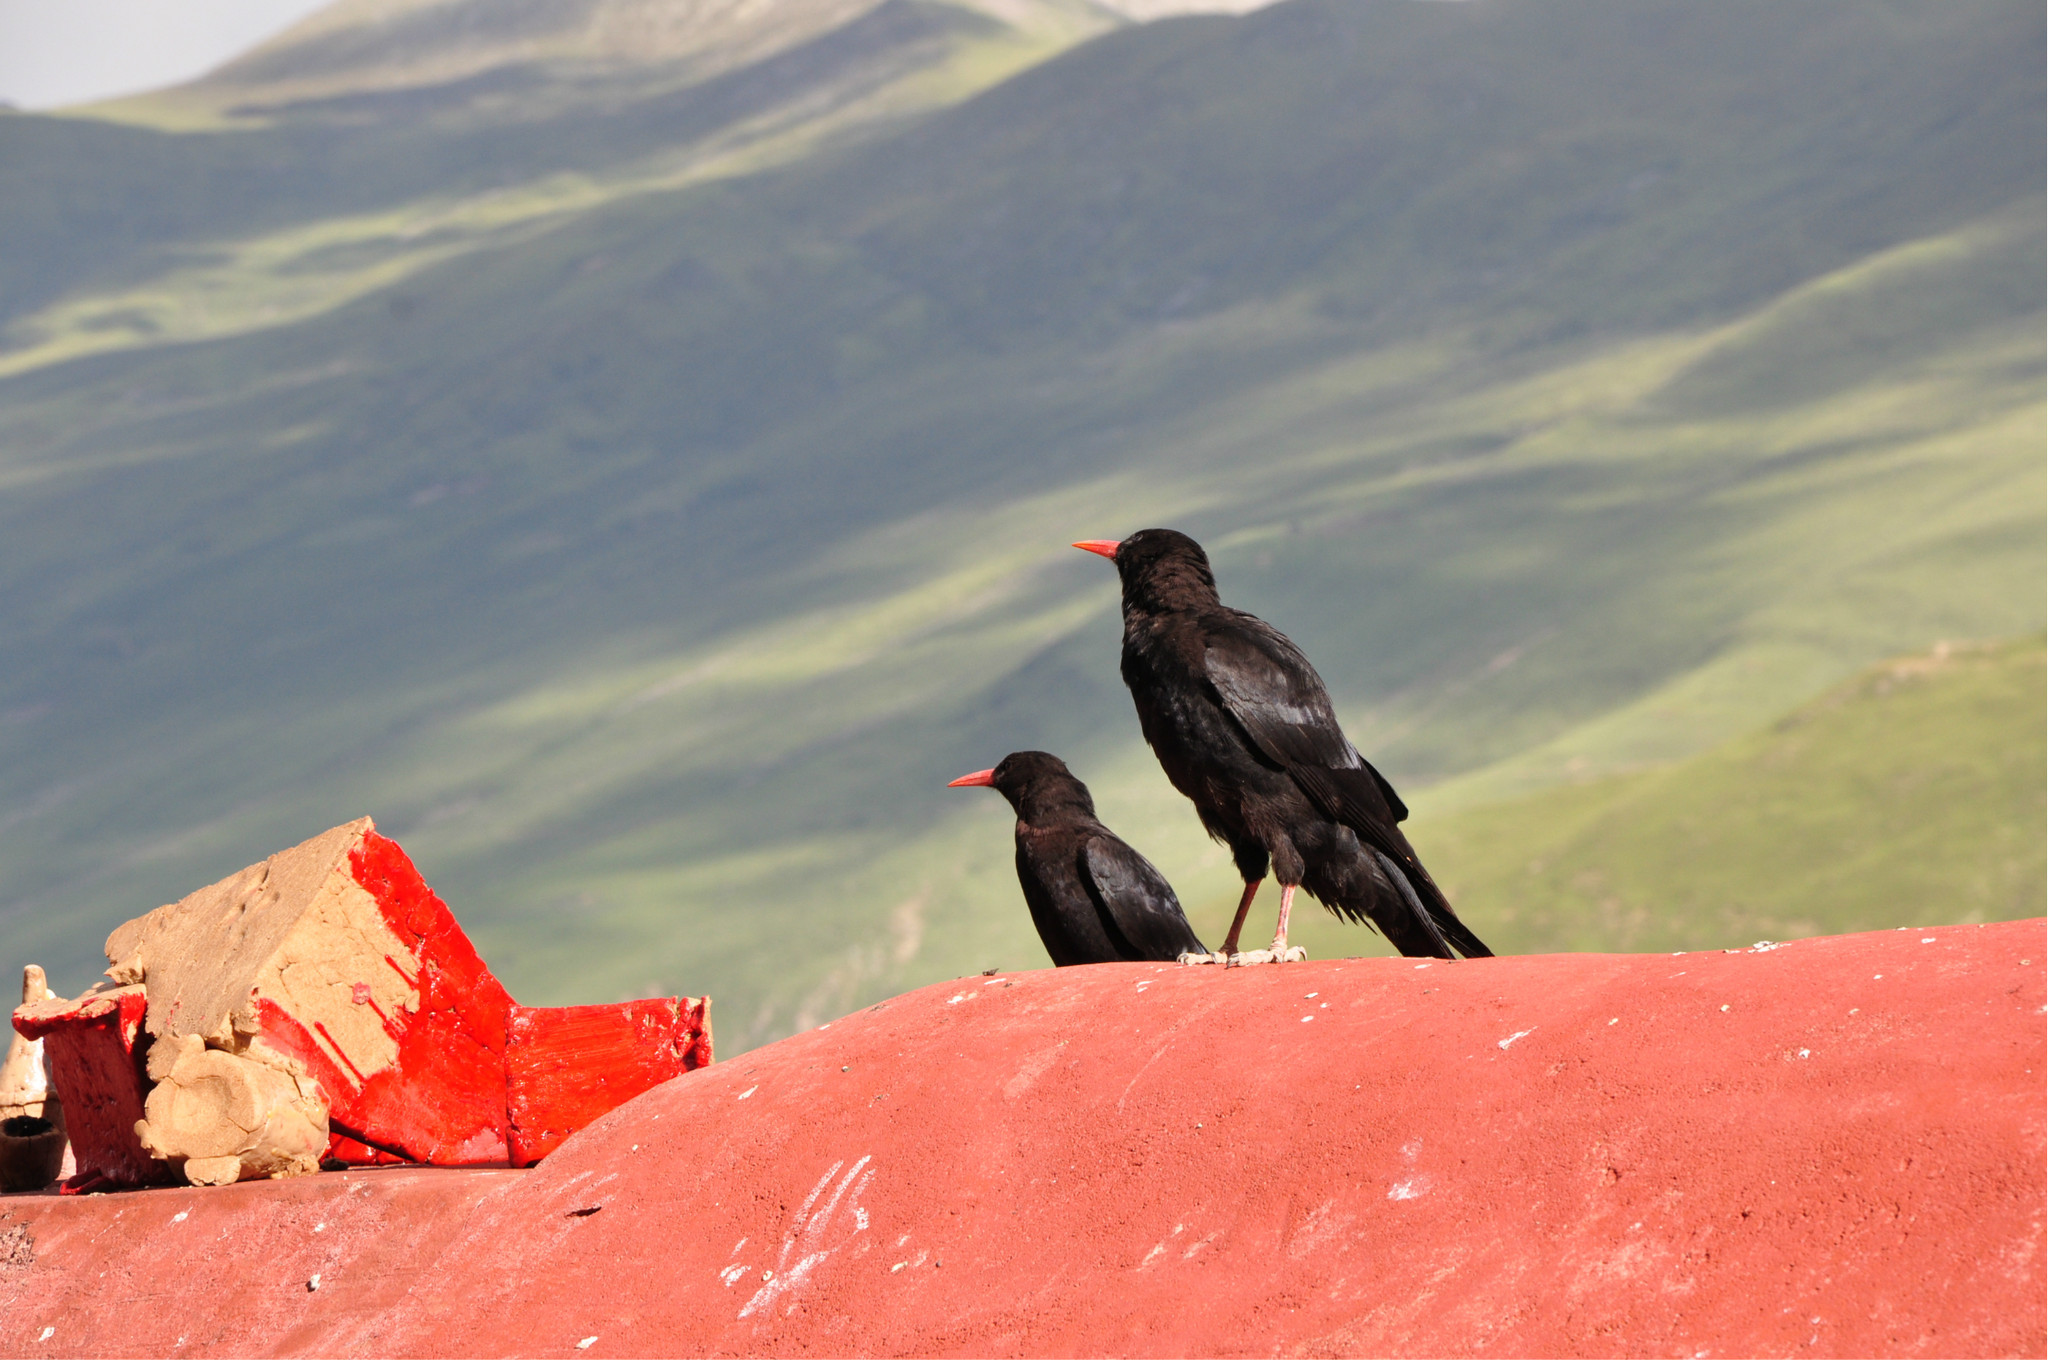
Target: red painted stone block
x=334 y=963
x=335 y=958
x=441 y=1100
x=95 y=1049
x=347 y=1151
x=567 y=1065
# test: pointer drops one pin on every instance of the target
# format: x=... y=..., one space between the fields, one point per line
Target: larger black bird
x=1245 y=728
x=1093 y=898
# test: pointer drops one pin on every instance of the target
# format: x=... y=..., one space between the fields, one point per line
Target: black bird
x=1245 y=728
x=1093 y=898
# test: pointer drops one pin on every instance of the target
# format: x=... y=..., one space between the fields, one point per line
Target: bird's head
x=1035 y=782
x=1161 y=569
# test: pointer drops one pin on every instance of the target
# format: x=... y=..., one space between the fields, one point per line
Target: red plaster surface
x=1566 y=1155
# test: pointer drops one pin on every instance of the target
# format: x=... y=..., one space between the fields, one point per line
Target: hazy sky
x=58 y=52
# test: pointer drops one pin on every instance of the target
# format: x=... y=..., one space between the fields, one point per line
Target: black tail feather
x=1408 y=895
x=1421 y=924
x=1444 y=928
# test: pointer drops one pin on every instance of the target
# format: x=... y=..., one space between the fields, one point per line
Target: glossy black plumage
x=1244 y=727
x=1092 y=897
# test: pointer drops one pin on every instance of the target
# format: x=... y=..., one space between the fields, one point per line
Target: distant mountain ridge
x=360 y=47
x=642 y=492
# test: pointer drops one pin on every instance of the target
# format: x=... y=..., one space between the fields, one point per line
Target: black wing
x=1276 y=697
x=1136 y=901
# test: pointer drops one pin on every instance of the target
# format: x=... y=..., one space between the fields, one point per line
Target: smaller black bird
x=1093 y=898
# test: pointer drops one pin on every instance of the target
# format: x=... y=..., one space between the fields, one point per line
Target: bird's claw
x=1284 y=954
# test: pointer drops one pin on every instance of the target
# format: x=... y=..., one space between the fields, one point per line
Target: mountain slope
x=1582 y=385
x=1911 y=794
x=153 y=233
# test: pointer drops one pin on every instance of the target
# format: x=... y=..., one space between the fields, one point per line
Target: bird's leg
x=1228 y=955
x=1244 y=906
x=1280 y=952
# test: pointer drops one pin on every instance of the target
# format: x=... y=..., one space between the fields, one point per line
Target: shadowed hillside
x=643 y=507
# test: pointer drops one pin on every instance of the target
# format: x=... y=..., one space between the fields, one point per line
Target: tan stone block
x=222 y=1117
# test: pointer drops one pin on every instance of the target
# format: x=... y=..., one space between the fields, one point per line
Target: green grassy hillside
x=1911 y=795
x=643 y=508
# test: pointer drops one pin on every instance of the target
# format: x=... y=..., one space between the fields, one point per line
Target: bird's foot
x=1284 y=954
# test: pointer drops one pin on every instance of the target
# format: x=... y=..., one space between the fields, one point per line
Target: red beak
x=1105 y=546
x=980 y=779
